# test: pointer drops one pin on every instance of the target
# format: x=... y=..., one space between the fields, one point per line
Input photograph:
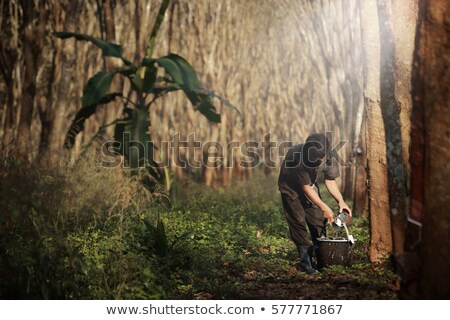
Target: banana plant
x=150 y=80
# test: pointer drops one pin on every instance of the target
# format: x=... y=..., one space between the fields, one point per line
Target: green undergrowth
x=85 y=234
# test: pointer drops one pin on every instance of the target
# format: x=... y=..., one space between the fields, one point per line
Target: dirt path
x=299 y=286
x=363 y=281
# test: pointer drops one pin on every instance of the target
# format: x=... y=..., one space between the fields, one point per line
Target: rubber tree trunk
x=33 y=32
x=378 y=200
x=430 y=154
x=397 y=24
x=388 y=38
x=360 y=175
x=54 y=98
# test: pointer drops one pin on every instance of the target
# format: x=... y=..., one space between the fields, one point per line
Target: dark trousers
x=299 y=216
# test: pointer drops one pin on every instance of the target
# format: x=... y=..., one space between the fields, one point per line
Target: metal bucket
x=335 y=252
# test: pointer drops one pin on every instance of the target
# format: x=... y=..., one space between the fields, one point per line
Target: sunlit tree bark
x=381 y=239
x=388 y=37
x=397 y=23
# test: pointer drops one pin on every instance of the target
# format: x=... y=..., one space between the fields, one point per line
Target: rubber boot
x=305 y=260
x=319 y=264
x=313 y=252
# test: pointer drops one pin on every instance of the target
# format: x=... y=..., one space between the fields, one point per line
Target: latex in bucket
x=335 y=252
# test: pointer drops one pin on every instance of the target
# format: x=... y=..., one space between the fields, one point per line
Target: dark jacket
x=296 y=172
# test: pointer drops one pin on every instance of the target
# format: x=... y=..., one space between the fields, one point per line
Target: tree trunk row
x=291 y=67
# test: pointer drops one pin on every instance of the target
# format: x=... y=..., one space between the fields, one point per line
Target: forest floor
x=262 y=266
x=77 y=235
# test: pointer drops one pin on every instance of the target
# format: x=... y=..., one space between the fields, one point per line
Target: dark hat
x=316 y=148
x=318 y=141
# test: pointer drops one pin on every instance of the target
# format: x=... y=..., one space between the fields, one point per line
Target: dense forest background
x=303 y=62
x=374 y=73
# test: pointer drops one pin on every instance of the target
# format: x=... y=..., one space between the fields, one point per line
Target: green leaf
x=161 y=243
x=132 y=134
x=108 y=49
x=204 y=105
x=85 y=112
x=144 y=79
x=158 y=236
x=133 y=141
x=149 y=79
x=213 y=95
x=127 y=71
x=97 y=87
x=184 y=75
x=135 y=138
x=157 y=91
x=187 y=235
x=179 y=70
x=150 y=227
x=136 y=81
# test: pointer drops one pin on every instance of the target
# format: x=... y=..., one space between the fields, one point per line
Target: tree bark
x=360 y=201
x=108 y=114
x=8 y=58
x=32 y=37
x=397 y=24
x=431 y=147
x=56 y=100
x=380 y=231
x=388 y=61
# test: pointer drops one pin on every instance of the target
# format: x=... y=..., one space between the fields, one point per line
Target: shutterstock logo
x=193 y=153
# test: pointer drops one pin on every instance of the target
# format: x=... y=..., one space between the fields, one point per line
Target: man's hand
x=343 y=207
x=328 y=213
x=334 y=191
